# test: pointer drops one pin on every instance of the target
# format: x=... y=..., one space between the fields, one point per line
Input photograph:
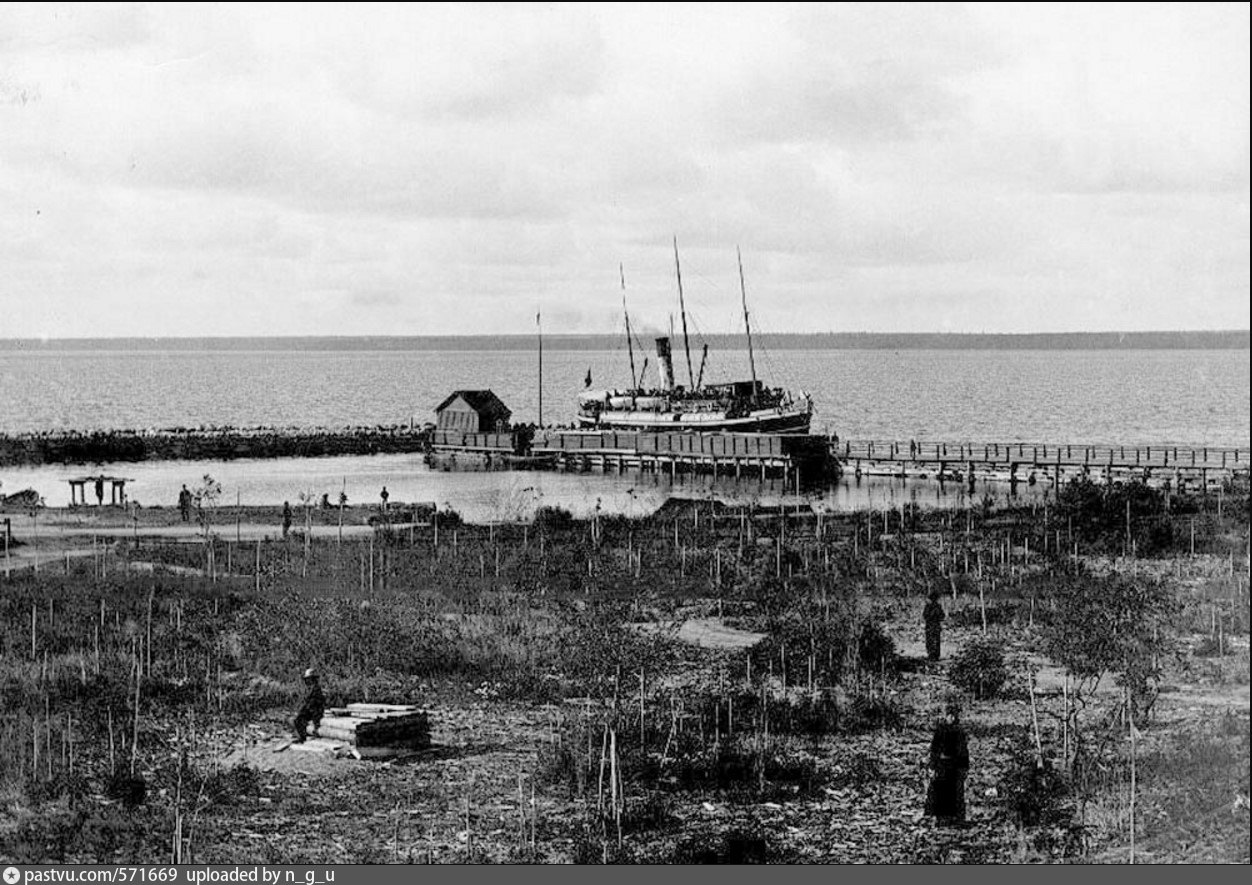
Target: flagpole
x=539 y=325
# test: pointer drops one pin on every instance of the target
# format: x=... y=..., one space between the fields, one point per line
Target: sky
x=330 y=169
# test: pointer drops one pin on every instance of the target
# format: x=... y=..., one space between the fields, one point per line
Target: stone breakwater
x=206 y=444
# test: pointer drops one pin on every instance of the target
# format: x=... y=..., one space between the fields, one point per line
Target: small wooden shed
x=472 y=411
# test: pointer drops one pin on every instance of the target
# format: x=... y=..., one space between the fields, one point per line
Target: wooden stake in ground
x=643 y=748
x=148 y=643
x=308 y=538
x=1034 y=718
x=1130 y=717
x=521 y=812
x=47 y=726
x=1065 y=722
x=134 y=743
x=619 y=799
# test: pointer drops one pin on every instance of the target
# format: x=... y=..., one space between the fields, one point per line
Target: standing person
x=933 y=615
x=949 y=760
x=384 y=495
x=313 y=707
x=184 y=503
x=100 y=490
x=286 y=518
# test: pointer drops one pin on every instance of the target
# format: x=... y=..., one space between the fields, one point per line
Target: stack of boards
x=377 y=727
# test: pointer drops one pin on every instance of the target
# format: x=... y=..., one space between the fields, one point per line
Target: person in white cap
x=313 y=707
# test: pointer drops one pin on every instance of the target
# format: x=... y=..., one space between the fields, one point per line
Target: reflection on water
x=502 y=496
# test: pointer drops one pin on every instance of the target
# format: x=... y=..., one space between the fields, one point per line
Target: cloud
x=73 y=27
x=1147 y=100
x=471 y=63
x=858 y=74
x=375 y=298
x=882 y=101
x=223 y=169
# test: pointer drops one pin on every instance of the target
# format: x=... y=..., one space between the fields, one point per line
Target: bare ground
x=469 y=797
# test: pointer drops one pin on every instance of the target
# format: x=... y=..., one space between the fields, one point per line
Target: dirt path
x=712 y=633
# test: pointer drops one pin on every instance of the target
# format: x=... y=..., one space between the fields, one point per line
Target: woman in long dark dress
x=949 y=760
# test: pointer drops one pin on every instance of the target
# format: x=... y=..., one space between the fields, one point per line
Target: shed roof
x=484 y=402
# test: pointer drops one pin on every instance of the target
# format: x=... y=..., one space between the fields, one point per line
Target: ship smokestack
x=665 y=363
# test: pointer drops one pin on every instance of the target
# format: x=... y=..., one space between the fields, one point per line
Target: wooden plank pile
x=377 y=726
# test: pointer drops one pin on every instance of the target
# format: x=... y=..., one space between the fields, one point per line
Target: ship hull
x=760 y=421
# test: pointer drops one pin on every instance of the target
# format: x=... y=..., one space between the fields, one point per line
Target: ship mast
x=629 y=345
x=691 y=377
x=539 y=326
x=743 y=291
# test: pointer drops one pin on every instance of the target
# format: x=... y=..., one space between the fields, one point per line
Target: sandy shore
x=54 y=533
x=98 y=519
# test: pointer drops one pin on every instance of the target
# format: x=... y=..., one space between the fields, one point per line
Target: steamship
x=732 y=407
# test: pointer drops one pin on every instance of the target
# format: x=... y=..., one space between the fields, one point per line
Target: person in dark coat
x=949 y=762
x=933 y=615
x=184 y=504
x=313 y=707
x=286 y=518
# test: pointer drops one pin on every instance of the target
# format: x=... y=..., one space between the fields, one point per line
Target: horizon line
x=568 y=342
x=527 y=335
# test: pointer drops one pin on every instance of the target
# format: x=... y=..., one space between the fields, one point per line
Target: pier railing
x=1046 y=454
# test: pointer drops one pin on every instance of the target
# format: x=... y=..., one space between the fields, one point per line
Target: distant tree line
x=1235 y=339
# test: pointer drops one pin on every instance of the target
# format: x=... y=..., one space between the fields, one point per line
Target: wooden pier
x=1181 y=466
x=741 y=455
x=811 y=457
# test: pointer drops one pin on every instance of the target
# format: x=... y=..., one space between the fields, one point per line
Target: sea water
x=1162 y=397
